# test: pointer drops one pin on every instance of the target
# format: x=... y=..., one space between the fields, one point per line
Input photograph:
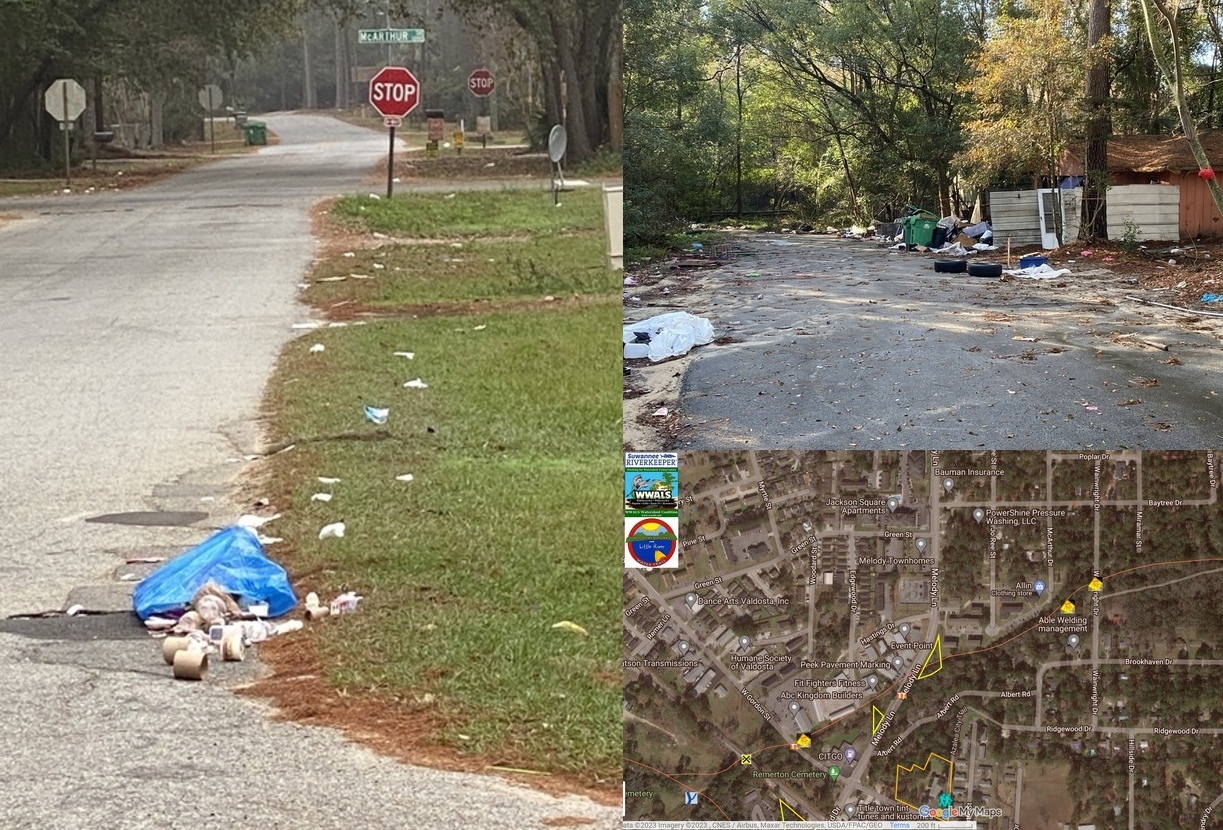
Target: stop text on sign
x=393 y=92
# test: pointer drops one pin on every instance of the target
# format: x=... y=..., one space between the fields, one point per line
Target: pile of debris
x=220 y=597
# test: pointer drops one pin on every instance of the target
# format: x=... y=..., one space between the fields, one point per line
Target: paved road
x=839 y=343
x=138 y=329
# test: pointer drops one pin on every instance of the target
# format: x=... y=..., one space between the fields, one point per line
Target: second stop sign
x=480 y=83
x=394 y=91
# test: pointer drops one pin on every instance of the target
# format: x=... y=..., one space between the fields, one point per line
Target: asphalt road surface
x=838 y=343
x=138 y=329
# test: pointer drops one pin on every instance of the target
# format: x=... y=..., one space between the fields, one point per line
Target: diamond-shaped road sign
x=65 y=100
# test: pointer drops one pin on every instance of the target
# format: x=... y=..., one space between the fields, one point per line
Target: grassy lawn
x=512 y=519
x=476 y=213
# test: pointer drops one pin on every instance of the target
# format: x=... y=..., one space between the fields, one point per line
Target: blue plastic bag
x=232 y=558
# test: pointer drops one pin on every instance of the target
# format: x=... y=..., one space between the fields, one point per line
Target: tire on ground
x=985 y=269
x=949 y=266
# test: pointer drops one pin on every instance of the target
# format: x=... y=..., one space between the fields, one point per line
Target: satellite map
x=975 y=639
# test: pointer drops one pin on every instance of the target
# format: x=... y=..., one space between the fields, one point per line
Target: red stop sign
x=394 y=91
x=480 y=83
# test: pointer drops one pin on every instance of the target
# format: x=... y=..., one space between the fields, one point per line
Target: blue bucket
x=1032 y=261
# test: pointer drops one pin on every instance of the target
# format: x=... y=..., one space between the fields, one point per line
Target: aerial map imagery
x=910 y=639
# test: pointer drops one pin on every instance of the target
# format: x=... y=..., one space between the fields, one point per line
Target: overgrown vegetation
x=843 y=112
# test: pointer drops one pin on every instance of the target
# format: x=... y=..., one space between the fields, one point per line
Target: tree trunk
x=1094 y=212
x=615 y=85
x=739 y=133
x=1168 y=13
x=307 y=73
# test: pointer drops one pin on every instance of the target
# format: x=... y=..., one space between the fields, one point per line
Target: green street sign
x=390 y=36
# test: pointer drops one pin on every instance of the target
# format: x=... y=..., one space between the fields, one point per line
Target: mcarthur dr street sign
x=390 y=36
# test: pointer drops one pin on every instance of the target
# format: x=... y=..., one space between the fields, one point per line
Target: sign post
x=65 y=101
x=210 y=97
x=393 y=92
x=481 y=84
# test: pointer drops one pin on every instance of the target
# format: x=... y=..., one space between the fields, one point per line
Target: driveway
x=138 y=329
x=833 y=343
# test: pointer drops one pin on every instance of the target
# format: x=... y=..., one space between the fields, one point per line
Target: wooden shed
x=1167 y=160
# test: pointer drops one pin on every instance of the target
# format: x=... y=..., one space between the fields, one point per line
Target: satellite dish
x=558 y=139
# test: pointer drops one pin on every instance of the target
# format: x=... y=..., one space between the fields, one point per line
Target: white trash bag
x=671 y=334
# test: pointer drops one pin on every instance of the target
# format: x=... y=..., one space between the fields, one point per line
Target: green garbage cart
x=256 y=133
x=919 y=228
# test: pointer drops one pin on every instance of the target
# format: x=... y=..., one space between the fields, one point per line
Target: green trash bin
x=919 y=228
x=256 y=133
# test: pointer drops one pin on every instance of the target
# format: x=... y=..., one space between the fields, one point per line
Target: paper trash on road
x=671 y=334
x=326 y=480
x=321 y=497
x=1039 y=272
x=405 y=477
x=408 y=355
x=416 y=384
x=954 y=249
x=333 y=530
x=317 y=347
x=378 y=416
x=250 y=520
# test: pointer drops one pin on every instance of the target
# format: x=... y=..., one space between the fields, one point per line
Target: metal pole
x=212 y=134
x=67 y=142
x=390 y=165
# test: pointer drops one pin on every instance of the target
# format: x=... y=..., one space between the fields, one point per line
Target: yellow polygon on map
x=804 y=741
x=921 y=768
x=1095 y=584
x=1067 y=607
x=876 y=719
x=783 y=807
x=936 y=652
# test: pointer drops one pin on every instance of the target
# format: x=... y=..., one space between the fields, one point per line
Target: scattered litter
x=349 y=254
x=661 y=412
x=629 y=280
x=360 y=276
x=1092 y=408
x=377 y=416
x=73 y=610
x=318 y=347
x=325 y=480
x=1039 y=272
x=268 y=540
x=345 y=603
x=405 y=477
x=331 y=279
x=333 y=530
x=321 y=497
x=249 y=520
x=1212 y=298
x=378 y=266
x=312 y=600
x=408 y=355
x=1145 y=383
x=480 y=327
x=312 y=324
x=671 y=334
x=129 y=578
x=417 y=383
x=1130 y=402
x=571 y=626
x=1084 y=253
x=1026 y=339
x=338 y=325
x=144 y=560
x=954 y=249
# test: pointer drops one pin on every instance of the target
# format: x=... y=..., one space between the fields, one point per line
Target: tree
x=1029 y=98
x=1094 y=225
x=578 y=44
x=1173 y=67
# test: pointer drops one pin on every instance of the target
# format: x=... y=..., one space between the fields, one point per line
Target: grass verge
x=514 y=448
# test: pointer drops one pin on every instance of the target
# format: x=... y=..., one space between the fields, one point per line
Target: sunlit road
x=138 y=330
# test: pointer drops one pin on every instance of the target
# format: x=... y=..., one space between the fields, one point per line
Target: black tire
x=985 y=269
x=949 y=266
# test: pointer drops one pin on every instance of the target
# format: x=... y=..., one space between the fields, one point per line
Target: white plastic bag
x=672 y=334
